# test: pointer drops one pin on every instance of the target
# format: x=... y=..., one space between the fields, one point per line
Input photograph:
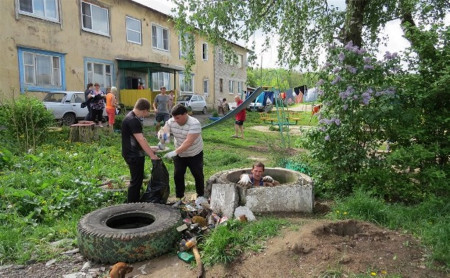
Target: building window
x=239 y=61
x=95 y=19
x=205 y=86
x=40 y=70
x=160 y=38
x=231 y=86
x=45 y=9
x=99 y=71
x=221 y=85
x=186 y=86
x=239 y=88
x=185 y=46
x=160 y=79
x=133 y=30
x=205 y=51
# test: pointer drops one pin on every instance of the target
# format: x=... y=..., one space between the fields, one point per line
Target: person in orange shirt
x=111 y=104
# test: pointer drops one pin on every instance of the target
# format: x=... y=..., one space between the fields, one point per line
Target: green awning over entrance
x=147 y=66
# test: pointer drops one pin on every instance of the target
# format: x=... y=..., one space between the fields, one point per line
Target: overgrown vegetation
x=25 y=122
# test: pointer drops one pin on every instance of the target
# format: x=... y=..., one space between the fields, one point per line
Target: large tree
x=305 y=27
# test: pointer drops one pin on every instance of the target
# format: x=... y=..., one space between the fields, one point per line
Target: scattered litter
x=185 y=256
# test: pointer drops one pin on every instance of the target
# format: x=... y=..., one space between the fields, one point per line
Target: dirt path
x=305 y=248
x=313 y=248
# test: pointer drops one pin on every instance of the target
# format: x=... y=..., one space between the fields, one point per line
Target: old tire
x=128 y=232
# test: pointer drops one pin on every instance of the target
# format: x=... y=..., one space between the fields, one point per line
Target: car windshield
x=54 y=97
x=184 y=98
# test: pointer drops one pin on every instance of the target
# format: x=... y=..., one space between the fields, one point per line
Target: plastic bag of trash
x=158 y=186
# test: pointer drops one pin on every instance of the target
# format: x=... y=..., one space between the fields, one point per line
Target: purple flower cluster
x=365 y=98
x=336 y=80
x=336 y=121
x=341 y=56
x=320 y=82
x=354 y=48
x=351 y=69
x=389 y=56
x=347 y=93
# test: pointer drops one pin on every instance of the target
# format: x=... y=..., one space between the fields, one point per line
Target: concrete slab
x=224 y=199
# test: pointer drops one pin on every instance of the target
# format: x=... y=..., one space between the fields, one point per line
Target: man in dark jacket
x=135 y=147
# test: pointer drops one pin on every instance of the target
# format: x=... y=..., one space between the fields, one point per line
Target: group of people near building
x=96 y=101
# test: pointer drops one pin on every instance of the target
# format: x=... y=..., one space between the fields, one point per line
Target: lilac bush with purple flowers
x=358 y=93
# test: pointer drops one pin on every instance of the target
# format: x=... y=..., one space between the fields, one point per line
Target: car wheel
x=128 y=232
x=69 y=119
x=204 y=111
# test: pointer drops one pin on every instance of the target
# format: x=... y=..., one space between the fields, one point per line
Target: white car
x=66 y=106
x=195 y=103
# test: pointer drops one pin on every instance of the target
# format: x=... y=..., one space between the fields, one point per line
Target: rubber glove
x=245 y=180
x=268 y=179
x=170 y=155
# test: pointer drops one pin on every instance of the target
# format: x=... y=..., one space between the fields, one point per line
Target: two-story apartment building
x=51 y=45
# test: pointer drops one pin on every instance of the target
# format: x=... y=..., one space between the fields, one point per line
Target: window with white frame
x=160 y=79
x=100 y=72
x=186 y=86
x=45 y=9
x=230 y=86
x=133 y=30
x=185 y=45
x=40 y=70
x=221 y=85
x=205 y=86
x=239 y=61
x=239 y=87
x=205 y=51
x=95 y=19
x=160 y=37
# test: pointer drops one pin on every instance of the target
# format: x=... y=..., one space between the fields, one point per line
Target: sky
x=396 y=42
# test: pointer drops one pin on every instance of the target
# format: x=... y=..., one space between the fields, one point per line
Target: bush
x=26 y=121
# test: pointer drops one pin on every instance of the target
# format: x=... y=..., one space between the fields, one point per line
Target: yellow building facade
x=58 y=45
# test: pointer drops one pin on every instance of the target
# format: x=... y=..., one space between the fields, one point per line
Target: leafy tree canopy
x=303 y=26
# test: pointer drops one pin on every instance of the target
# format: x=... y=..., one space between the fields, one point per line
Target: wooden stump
x=84 y=131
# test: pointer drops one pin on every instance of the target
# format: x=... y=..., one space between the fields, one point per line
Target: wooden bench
x=292 y=116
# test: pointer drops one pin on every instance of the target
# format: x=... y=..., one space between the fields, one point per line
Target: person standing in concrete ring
x=257 y=178
x=188 y=151
x=161 y=106
x=135 y=147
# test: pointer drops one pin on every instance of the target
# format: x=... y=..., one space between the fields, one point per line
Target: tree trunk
x=354 y=21
x=82 y=132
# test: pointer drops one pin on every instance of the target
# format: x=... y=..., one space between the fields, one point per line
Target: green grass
x=228 y=241
x=45 y=193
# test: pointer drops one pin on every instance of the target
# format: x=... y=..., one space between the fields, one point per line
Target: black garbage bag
x=158 y=186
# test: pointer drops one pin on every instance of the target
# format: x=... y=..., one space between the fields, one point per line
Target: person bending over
x=135 y=147
x=188 y=151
